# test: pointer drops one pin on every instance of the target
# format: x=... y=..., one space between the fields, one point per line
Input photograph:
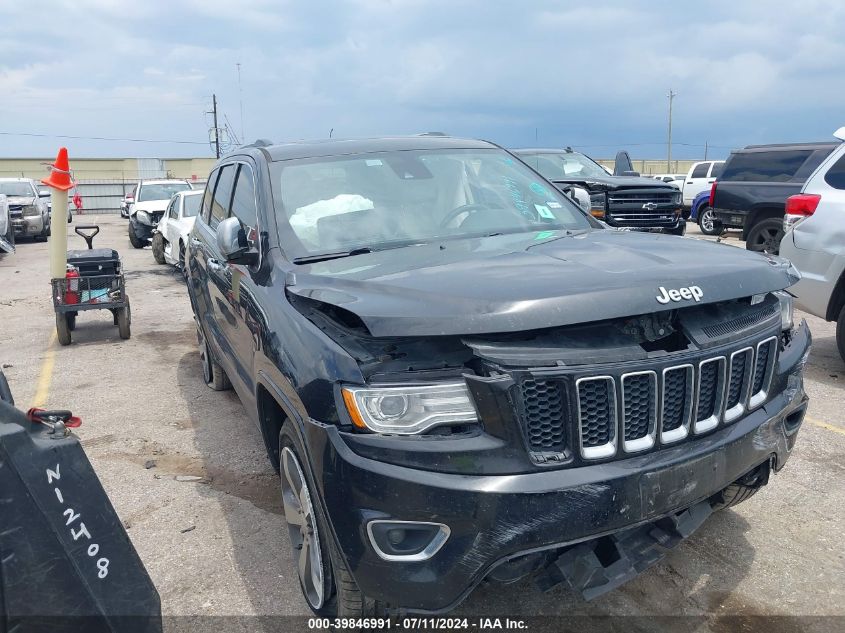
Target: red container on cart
x=72 y=286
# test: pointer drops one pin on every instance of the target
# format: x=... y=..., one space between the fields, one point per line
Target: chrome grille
x=639 y=410
x=597 y=416
x=703 y=396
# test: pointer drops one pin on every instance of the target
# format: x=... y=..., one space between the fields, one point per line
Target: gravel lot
x=187 y=472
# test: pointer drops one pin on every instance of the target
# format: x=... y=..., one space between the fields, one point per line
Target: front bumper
x=495 y=518
x=667 y=221
x=28 y=225
x=141 y=231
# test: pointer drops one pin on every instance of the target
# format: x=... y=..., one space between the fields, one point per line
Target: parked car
x=461 y=375
x=699 y=178
x=815 y=241
x=126 y=202
x=44 y=194
x=620 y=201
x=29 y=213
x=702 y=214
x=7 y=230
x=146 y=209
x=170 y=238
x=676 y=180
x=751 y=193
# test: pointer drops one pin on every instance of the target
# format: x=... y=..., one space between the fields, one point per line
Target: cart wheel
x=114 y=316
x=62 y=329
x=71 y=321
x=124 y=318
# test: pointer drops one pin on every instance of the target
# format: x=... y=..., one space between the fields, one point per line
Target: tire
x=133 y=239
x=124 y=322
x=742 y=489
x=708 y=223
x=681 y=230
x=182 y=263
x=213 y=374
x=840 y=333
x=158 y=248
x=333 y=592
x=62 y=329
x=71 y=321
x=765 y=236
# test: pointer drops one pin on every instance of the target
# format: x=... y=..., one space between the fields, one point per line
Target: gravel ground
x=188 y=475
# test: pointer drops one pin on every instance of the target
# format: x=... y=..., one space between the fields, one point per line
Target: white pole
x=58 y=234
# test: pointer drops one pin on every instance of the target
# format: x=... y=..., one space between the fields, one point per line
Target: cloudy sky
x=591 y=75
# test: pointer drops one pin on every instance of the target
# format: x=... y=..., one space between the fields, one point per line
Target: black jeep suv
x=462 y=375
x=751 y=193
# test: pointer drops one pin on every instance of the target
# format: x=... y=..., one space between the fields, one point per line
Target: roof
x=774 y=147
x=335 y=147
x=537 y=150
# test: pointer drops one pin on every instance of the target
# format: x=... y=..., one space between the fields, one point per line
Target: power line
x=102 y=138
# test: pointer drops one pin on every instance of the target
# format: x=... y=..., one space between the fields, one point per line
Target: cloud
x=593 y=75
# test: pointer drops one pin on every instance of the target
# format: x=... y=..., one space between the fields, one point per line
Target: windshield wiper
x=324 y=257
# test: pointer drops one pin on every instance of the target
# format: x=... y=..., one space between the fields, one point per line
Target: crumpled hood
x=151 y=206
x=23 y=200
x=611 y=183
x=511 y=283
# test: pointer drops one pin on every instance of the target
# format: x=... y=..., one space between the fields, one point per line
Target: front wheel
x=158 y=248
x=133 y=239
x=62 y=328
x=213 y=374
x=327 y=585
x=680 y=230
x=840 y=333
x=765 y=236
x=124 y=322
x=708 y=223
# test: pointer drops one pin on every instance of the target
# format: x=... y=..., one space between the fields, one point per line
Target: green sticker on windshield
x=539 y=189
x=544 y=211
x=544 y=234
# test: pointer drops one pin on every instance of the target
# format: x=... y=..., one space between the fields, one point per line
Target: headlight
x=786 y=317
x=598 y=204
x=406 y=410
x=31 y=209
x=143 y=217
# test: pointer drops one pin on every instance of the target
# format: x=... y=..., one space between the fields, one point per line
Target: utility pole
x=705 y=150
x=217 y=129
x=671 y=96
x=241 y=95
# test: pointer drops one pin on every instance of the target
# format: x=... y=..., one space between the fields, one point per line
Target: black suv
x=624 y=200
x=461 y=375
x=751 y=192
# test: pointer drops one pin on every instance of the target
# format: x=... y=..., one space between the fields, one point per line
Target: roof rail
x=433 y=134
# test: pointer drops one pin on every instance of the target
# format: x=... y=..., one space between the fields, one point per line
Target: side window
x=835 y=176
x=700 y=171
x=765 y=166
x=811 y=165
x=205 y=209
x=717 y=170
x=222 y=196
x=171 y=210
x=243 y=203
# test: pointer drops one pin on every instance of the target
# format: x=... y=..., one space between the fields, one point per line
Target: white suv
x=815 y=241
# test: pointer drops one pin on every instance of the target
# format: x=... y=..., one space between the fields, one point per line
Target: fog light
x=407 y=541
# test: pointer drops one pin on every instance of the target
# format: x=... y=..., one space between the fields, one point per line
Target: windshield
x=161 y=191
x=367 y=201
x=191 y=205
x=564 y=166
x=17 y=189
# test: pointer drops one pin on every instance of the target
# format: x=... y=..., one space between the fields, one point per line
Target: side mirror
x=233 y=244
x=44 y=193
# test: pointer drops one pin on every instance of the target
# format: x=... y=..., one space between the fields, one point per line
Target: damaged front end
x=592 y=448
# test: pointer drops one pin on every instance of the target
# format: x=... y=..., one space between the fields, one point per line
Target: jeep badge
x=691 y=292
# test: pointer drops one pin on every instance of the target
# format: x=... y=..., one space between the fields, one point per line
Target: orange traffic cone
x=59 y=177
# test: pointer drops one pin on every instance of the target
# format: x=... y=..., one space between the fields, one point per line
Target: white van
x=699 y=177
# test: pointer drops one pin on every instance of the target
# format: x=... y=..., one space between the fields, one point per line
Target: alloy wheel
x=302 y=527
x=707 y=220
x=767 y=240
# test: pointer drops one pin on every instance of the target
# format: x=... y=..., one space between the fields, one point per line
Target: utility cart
x=94 y=281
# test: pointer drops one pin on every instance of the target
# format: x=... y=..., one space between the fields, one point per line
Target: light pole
x=671 y=96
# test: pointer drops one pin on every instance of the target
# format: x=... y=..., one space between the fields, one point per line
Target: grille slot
x=711 y=388
x=597 y=416
x=639 y=410
x=544 y=404
x=764 y=364
x=738 y=383
x=677 y=403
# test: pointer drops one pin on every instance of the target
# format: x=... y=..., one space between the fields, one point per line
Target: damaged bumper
x=492 y=519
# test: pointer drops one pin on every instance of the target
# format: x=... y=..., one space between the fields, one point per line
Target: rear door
x=696 y=182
